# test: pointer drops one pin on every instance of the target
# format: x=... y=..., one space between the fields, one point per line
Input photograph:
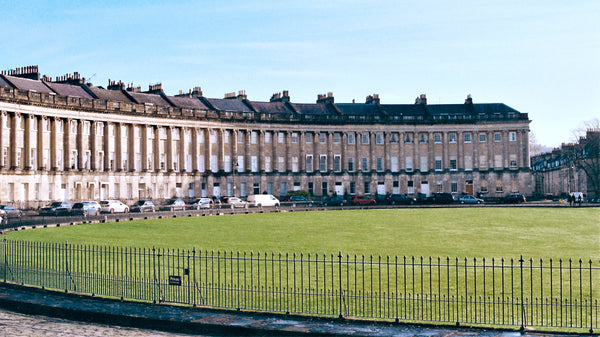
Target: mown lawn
x=455 y=232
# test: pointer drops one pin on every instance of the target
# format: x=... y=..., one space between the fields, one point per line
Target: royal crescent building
x=65 y=139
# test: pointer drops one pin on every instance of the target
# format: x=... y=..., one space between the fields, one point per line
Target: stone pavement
x=102 y=317
x=21 y=325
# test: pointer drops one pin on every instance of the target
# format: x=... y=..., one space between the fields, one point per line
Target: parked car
x=10 y=212
x=202 y=203
x=362 y=200
x=236 y=202
x=143 y=206
x=469 y=199
x=56 y=208
x=175 y=205
x=263 y=200
x=440 y=198
x=513 y=199
x=300 y=200
x=3 y=218
x=85 y=208
x=400 y=199
x=335 y=201
x=113 y=206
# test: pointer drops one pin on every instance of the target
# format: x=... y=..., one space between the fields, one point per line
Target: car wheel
x=112 y=211
x=462 y=202
x=126 y=210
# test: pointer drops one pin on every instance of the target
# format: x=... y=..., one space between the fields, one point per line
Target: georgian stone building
x=65 y=139
x=572 y=167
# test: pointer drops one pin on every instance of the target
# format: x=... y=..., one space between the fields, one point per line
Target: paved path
x=21 y=325
x=101 y=317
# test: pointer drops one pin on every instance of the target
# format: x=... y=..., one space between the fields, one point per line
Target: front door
x=469 y=187
x=425 y=188
x=381 y=188
x=339 y=188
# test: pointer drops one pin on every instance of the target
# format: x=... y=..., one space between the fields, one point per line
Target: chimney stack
x=325 y=99
x=279 y=97
x=422 y=99
x=373 y=99
x=112 y=85
x=155 y=89
x=469 y=100
x=30 y=72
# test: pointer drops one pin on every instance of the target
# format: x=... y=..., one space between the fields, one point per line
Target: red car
x=362 y=200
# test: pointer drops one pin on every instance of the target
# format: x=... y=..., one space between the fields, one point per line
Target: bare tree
x=584 y=154
x=535 y=148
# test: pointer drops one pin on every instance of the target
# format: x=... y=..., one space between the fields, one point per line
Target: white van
x=263 y=200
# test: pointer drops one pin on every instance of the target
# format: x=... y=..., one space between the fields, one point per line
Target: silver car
x=469 y=199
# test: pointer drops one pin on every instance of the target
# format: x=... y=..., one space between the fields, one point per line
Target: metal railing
x=492 y=292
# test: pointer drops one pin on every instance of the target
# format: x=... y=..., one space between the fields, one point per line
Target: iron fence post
x=5 y=252
x=522 y=292
x=591 y=301
x=341 y=316
x=154 y=274
x=66 y=266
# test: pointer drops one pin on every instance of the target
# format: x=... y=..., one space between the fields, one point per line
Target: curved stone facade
x=73 y=141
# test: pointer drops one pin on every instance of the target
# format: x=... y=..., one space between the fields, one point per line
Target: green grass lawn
x=455 y=232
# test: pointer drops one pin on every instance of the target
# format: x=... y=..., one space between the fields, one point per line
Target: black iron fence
x=493 y=292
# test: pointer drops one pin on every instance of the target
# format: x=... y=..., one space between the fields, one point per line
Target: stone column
x=431 y=147
x=12 y=156
x=490 y=142
x=343 y=159
x=194 y=149
x=247 y=150
x=260 y=134
x=79 y=145
x=93 y=144
x=181 y=150
x=460 y=160
x=505 y=156
x=106 y=147
x=156 y=148
x=118 y=148
x=387 y=160
x=330 y=153
x=169 y=149
x=288 y=157
x=39 y=142
x=302 y=152
x=144 y=147
x=53 y=142
x=131 y=148
x=234 y=149
x=445 y=150
x=475 y=142
x=372 y=152
x=27 y=142
x=66 y=144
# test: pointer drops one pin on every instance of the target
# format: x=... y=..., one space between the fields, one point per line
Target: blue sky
x=539 y=57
